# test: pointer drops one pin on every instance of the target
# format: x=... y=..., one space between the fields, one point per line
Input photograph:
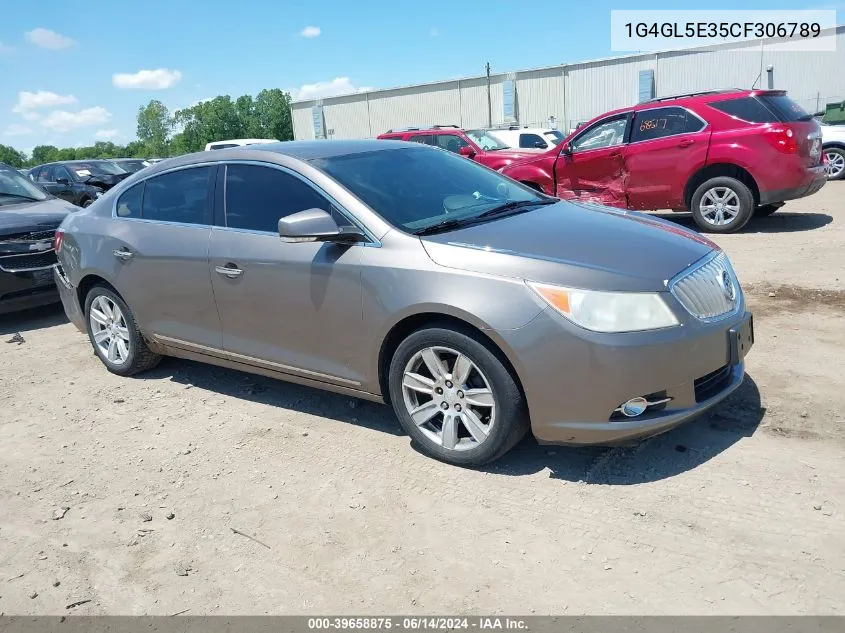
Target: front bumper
x=575 y=380
x=817 y=179
x=24 y=290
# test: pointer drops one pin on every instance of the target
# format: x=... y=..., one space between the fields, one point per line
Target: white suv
x=833 y=145
x=528 y=137
x=238 y=142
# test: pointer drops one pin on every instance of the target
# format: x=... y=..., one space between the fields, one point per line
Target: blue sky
x=71 y=74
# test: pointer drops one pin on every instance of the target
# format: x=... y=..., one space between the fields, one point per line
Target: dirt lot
x=739 y=512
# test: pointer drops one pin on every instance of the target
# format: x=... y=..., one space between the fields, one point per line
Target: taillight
x=57 y=240
x=783 y=139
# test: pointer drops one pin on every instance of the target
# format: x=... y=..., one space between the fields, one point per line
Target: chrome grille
x=27 y=261
x=708 y=291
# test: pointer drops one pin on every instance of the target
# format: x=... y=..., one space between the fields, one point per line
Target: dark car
x=131 y=164
x=28 y=220
x=78 y=181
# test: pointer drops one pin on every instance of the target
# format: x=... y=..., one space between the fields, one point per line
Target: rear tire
x=722 y=205
x=835 y=163
x=479 y=413
x=114 y=334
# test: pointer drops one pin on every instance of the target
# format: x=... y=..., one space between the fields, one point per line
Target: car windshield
x=16 y=188
x=95 y=168
x=485 y=141
x=555 y=136
x=418 y=188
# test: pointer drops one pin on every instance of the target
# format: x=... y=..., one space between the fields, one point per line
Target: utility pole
x=489 y=99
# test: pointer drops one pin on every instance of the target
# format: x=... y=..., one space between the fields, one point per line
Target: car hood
x=30 y=217
x=534 y=157
x=105 y=181
x=517 y=154
x=574 y=244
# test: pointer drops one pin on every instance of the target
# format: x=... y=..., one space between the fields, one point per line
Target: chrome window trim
x=701 y=263
x=373 y=241
x=704 y=125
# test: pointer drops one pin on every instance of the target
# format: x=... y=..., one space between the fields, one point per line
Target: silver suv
x=401 y=273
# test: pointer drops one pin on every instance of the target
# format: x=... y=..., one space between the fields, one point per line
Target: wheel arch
x=405 y=326
x=729 y=170
x=87 y=282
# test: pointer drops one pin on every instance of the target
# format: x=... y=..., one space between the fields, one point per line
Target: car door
x=45 y=177
x=592 y=165
x=158 y=246
x=291 y=307
x=667 y=145
x=64 y=184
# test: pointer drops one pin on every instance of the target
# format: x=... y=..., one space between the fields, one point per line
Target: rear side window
x=531 y=141
x=45 y=174
x=223 y=146
x=785 y=108
x=662 y=122
x=180 y=196
x=746 y=109
x=257 y=197
x=129 y=203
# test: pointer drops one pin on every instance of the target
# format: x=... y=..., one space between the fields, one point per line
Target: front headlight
x=608 y=311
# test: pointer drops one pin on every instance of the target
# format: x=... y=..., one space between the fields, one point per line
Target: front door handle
x=686 y=142
x=124 y=254
x=615 y=154
x=229 y=270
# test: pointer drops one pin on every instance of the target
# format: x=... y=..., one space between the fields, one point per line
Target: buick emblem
x=727 y=286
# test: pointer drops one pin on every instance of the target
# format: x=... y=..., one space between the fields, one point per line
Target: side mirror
x=316 y=225
x=467 y=151
x=62 y=181
x=565 y=149
x=540 y=145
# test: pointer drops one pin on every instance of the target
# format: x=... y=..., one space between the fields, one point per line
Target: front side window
x=450 y=142
x=223 y=146
x=531 y=141
x=416 y=188
x=45 y=175
x=607 y=133
x=257 y=197
x=179 y=196
x=62 y=173
x=485 y=141
x=662 y=122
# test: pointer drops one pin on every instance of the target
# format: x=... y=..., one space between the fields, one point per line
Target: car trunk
x=806 y=133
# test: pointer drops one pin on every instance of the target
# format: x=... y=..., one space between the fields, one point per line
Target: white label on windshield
x=83 y=172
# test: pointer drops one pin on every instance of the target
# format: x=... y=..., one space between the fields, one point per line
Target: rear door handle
x=686 y=142
x=124 y=254
x=229 y=270
x=615 y=154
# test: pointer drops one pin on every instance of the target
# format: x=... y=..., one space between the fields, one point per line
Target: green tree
x=44 y=154
x=11 y=157
x=272 y=113
x=245 y=109
x=154 y=125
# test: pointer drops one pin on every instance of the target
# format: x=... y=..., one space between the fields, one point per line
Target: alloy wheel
x=449 y=398
x=835 y=164
x=109 y=330
x=719 y=206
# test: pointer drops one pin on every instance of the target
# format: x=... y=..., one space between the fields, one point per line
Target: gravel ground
x=198 y=488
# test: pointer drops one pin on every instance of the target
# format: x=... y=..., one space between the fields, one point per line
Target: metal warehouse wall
x=574 y=93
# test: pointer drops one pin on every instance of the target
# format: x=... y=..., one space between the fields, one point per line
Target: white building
x=574 y=93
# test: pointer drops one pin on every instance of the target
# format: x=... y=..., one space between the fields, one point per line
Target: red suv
x=477 y=145
x=725 y=156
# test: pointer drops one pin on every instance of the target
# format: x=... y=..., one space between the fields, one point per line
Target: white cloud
x=62 y=121
x=45 y=38
x=321 y=89
x=434 y=32
x=311 y=31
x=158 y=79
x=16 y=129
x=30 y=116
x=40 y=99
x=103 y=134
x=5 y=49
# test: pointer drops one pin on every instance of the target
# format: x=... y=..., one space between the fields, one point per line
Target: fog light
x=634 y=407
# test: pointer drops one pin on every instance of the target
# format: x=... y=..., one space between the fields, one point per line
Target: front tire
x=455 y=397
x=835 y=166
x=722 y=205
x=114 y=333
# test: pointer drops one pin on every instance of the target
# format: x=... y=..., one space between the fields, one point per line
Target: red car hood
x=526 y=158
